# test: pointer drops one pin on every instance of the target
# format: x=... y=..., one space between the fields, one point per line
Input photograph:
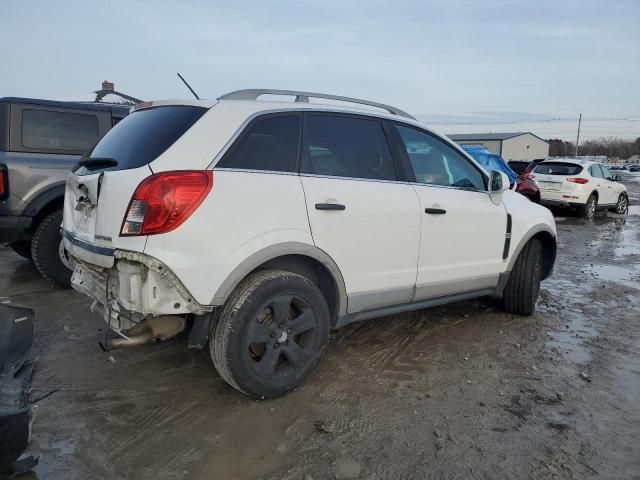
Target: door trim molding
x=408 y=307
x=454 y=287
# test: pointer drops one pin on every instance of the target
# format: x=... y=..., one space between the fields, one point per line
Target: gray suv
x=40 y=140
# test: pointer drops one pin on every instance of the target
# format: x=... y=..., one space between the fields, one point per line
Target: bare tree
x=608 y=146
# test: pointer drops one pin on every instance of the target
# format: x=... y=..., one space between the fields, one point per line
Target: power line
x=546 y=120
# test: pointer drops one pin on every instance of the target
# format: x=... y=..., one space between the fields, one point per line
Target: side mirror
x=617 y=178
x=498 y=183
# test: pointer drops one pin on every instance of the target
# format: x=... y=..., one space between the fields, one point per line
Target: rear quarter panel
x=244 y=213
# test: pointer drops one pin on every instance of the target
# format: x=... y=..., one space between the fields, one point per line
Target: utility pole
x=578 y=138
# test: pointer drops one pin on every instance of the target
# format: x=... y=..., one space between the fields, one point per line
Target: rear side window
x=269 y=144
x=142 y=136
x=49 y=130
x=558 y=168
x=343 y=146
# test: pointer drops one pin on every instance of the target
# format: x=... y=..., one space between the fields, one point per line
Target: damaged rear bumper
x=135 y=287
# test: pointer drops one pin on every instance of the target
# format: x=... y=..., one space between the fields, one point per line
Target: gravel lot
x=458 y=391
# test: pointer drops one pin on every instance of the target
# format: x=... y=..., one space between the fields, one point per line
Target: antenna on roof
x=188 y=86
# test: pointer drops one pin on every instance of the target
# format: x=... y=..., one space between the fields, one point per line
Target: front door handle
x=329 y=206
x=435 y=211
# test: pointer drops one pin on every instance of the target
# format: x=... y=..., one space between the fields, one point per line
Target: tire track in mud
x=399 y=347
x=153 y=432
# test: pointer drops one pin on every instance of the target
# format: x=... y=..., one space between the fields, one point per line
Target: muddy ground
x=463 y=391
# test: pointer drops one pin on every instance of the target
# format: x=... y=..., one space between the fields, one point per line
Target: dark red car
x=525 y=183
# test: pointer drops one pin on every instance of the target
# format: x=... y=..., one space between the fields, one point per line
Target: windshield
x=142 y=137
x=558 y=168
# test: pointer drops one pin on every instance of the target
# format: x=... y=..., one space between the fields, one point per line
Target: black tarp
x=16 y=368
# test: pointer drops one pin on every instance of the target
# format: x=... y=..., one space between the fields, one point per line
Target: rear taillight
x=579 y=180
x=162 y=202
x=528 y=175
x=4 y=182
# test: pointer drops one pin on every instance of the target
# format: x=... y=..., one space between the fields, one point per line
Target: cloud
x=439 y=59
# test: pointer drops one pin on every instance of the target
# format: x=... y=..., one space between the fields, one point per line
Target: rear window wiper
x=97 y=162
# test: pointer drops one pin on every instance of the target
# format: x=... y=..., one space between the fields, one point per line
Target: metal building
x=511 y=146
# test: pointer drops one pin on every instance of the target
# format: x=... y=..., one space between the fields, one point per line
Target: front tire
x=271 y=334
x=588 y=210
x=46 y=250
x=521 y=293
x=622 y=205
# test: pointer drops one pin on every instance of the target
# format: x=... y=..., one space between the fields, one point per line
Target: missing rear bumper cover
x=135 y=288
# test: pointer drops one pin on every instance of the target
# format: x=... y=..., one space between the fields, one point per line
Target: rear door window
x=346 y=146
x=47 y=130
x=268 y=144
x=558 y=168
x=143 y=136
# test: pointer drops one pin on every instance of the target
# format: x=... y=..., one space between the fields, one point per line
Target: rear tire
x=588 y=210
x=521 y=292
x=45 y=250
x=22 y=248
x=271 y=334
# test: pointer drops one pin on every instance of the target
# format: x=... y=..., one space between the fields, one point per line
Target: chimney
x=108 y=86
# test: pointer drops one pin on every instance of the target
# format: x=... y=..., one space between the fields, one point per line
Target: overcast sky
x=446 y=61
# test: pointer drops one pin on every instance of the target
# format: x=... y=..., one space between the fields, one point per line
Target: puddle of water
x=601 y=218
x=570 y=341
x=634 y=210
x=629 y=242
x=613 y=273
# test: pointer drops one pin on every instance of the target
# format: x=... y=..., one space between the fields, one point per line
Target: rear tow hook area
x=16 y=369
x=149 y=330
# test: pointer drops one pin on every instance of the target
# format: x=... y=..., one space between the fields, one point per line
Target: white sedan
x=585 y=185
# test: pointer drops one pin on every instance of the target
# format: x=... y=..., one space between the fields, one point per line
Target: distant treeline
x=608 y=146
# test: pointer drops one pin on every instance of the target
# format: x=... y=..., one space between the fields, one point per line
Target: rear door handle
x=435 y=211
x=330 y=206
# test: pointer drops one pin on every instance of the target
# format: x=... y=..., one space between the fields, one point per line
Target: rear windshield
x=518 y=167
x=558 y=168
x=143 y=136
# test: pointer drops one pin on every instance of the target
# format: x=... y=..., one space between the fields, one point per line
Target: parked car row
x=521 y=181
x=585 y=185
x=631 y=167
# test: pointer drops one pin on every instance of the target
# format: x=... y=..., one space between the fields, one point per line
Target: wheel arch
x=547 y=238
x=46 y=202
x=304 y=259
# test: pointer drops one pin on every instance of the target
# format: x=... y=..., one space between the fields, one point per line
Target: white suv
x=587 y=186
x=266 y=224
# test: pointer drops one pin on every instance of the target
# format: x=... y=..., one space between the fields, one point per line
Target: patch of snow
x=113 y=98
